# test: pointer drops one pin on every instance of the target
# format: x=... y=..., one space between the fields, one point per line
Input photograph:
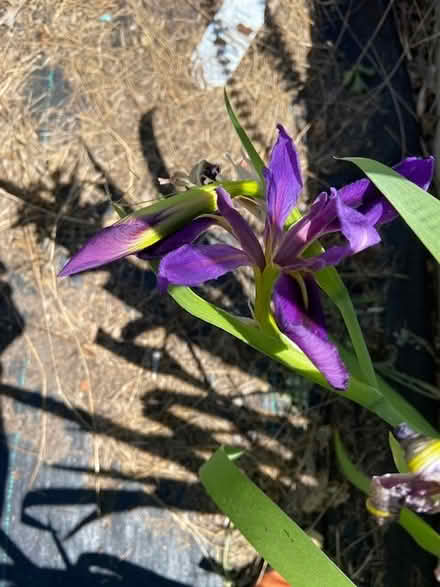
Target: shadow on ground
x=350 y=127
x=59 y=514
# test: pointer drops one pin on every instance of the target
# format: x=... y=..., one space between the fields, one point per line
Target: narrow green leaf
x=384 y=401
x=246 y=330
x=420 y=210
x=119 y=210
x=390 y=406
x=257 y=162
x=410 y=382
x=348 y=469
x=425 y=536
x=398 y=454
x=330 y=281
x=277 y=348
x=272 y=533
x=421 y=532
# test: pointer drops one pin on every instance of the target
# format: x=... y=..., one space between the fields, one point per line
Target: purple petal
x=111 y=243
x=363 y=194
x=358 y=231
x=283 y=183
x=424 y=497
x=356 y=228
x=307 y=329
x=242 y=231
x=194 y=264
x=418 y=170
x=186 y=235
x=404 y=431
x=389 y=493
x=355 y=193
x=305 y=231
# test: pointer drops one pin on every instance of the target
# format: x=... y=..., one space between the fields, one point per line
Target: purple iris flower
x=355 y=211
x=154 y=229
x=419 y=489
x=282 y=266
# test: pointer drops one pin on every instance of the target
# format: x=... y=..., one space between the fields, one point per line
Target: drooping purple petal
x=194 y=264
x=242 y=231
x=424 y=497
x=111 y=243
x=186 y=235
x=386 y=495
x=358 y=231
x=355 y=227
x=364 y=195
x=306 y=327
x=418 y=170
x=393 y=491
x=283 y=184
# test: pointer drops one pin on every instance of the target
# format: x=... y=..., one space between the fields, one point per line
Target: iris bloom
x=419 y=489
x=287 y=295
x=141 y=230
x=283 y=270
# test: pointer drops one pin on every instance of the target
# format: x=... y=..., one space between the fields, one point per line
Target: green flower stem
x=390 y=406
x=246 y=143
x=380 y=399
x=248 y=187
x=330 y=281
x=198 y=199
x=264 y=284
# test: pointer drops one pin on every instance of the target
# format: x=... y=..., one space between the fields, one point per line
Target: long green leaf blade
x=425 y=536
x=247 y=331
x=272 y=533
x=257 y=162
x=398 y=454
x=348 y=469
x=386 y=403
x=420 y=210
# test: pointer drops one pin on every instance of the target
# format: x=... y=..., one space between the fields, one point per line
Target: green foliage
x=272 y=533
x=257 y=162
x=348 y=469
x=398 y=454
x=420 y=210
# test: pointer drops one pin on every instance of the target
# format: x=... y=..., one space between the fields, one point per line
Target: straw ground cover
x=97 y=102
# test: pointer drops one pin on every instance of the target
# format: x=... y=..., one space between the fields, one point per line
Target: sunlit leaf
x=383 y=401
x=270 y=531
x=247 y=331
x=420 y=210
x=257 y=162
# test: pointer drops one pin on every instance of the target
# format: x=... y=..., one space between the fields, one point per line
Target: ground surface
x=104 y=377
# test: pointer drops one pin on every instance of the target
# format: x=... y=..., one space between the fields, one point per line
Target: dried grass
x=151 y=424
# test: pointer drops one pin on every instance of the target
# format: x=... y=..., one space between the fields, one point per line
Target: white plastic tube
x=226 y=40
